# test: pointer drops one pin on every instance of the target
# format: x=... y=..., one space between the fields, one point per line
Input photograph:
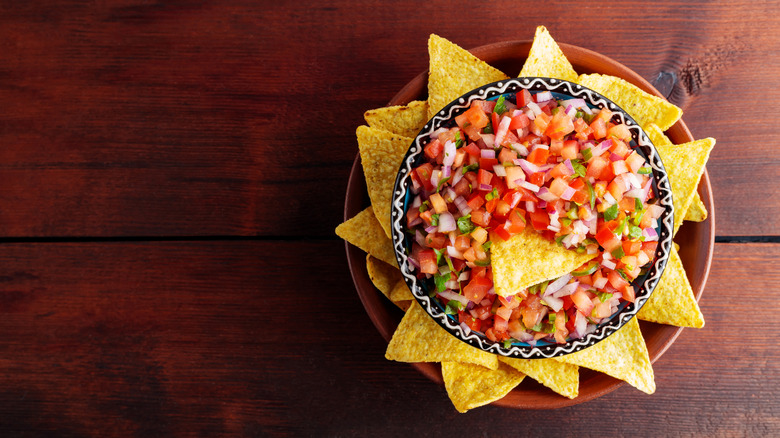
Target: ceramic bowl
x=403 y=196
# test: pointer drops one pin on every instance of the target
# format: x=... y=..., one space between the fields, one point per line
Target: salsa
x=556 y=167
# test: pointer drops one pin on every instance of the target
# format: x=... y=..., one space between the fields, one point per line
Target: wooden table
x=172 y=174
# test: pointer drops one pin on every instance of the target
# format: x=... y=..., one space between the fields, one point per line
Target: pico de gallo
x=532 y=160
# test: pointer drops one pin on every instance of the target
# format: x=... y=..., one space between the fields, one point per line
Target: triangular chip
x=406 y=120
x=419 y=339
x=643 y=107
x=684 y=165
x=401 y=295
x=383 y=276
x=623 y=355
x=381 y=153
x=471 y=386
x=672 y=301
x=527 y=259
x=562 y=378
x=453 y=71
x=697 y=212
x=546 y=59
x=364 y=231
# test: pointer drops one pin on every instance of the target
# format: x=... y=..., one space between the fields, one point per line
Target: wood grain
x=237 y=118
x=175 y=339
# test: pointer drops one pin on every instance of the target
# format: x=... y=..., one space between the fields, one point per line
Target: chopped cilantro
x=579 y=169
x=507 y=343
x=465 y=226
x=458 y=140
x=469 y=168
x=604 y=296
x=537 y=327
x=424 y=206
x=618 y=252
x=449 y=310
x=637 y=204
x=587 y=154
x=441 y=281
x=621 y=226
x=543 y=286
x=611 y=213
x=486 y=245
x=644 y=171
x=556 y=110
x=552 y=318
x=634 y=232
x=449 y=263
x=441 y=183
x=592 y=195
x=439 y=253
x=622 y=274
x=492 y=195
x=485 y=262
x=435 y=219
x=488 y=129
x=500 y=107
x=579 y=114
x=587 y=271
x=566 y=221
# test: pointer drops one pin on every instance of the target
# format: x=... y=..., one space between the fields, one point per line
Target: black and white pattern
x=643 y=285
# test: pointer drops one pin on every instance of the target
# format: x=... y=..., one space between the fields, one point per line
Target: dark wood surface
x=172 y=173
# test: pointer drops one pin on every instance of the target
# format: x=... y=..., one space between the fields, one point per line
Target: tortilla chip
x=546 y=59
x=419 y=339
x=697 y=212
x=562 y=378
x=453 y=71
x=643 y=107
x=672 y=302
x=364 y=231
x=684 y=165
x=406 y=120
x=471 y=386
x=401 y=295
x=382 y=153
x=623 y=355
x=382 y=275
x=527 y=259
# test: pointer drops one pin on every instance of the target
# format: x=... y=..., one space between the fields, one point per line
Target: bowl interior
x=644 y=285
x=696 y=239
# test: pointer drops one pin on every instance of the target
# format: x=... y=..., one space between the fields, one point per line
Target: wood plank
x=130 y=118
x=213 y=338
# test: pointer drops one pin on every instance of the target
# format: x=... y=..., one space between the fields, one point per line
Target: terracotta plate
x=696 y=240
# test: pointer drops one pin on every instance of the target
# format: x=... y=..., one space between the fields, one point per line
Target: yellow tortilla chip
x=562 y=378
x=381 y=153
x=384 y=276
x=471 y=386
x=453 y=71
x=623 y=355
x=684 y=165
x=364 y=231
x=527 y=259
x=406 y=120
x=546 y=59
x=643 y=107
x=697 y=212
x=672 y=301
x=401 y=295
x=419 y=339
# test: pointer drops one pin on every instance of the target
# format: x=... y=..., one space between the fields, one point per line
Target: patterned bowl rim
x=640 y=141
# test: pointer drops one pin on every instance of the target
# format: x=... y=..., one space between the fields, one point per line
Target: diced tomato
x=476 y=201
x=433 y=149
x=616 y=280
x=411 y=215
x=538 y=156
x=607 y=239
x=620 y=148
x=558 y=186
x=582 y=301
x=582 y=129
x=561 y=170
x=514 y=175
x=519 y=121
x=515 y=221
x=477 y=288
x=599 y=128
x=596 y=166
x=619 y=167
x=438 y=203
x=616 y=188
x=523 y=98
x=632 y=247
x=495 y=119
x=500 y=325
x=560 y=125
x=487 y=163
x=485 y=176
x=635 y=161
x=502 y=233
x=570 y=150
x=476 y=116
x=539 y=219
x=649 y=249
x=628 y=294
x=424 y=173
x=428 y=262
x=490 y=334
x=620 y=132
x=507 y=156
x=480 y=217
x=540 y=123
x=435 y=240
x=502 y=209
x=472 y=132
x=472 y=149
